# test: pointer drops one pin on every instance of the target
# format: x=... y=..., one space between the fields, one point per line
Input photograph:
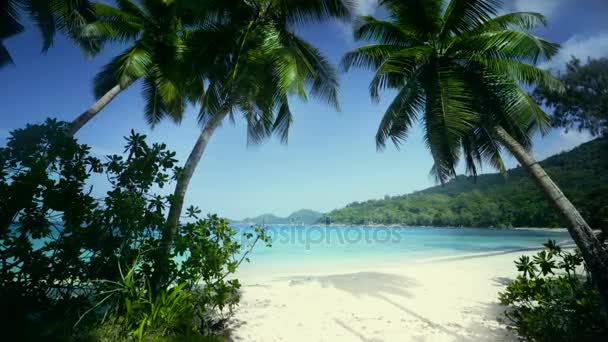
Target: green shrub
x=71 y=254
x=553 y=298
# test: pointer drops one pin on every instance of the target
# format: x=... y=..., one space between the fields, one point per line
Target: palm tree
x=49 y=16
x=156 y=33
x=458 y=68
x=258 y=66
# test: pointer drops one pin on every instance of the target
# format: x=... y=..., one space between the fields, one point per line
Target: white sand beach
x=447 y=299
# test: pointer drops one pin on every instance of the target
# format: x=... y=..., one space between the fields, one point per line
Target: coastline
x=442 y=299
x=555 y=229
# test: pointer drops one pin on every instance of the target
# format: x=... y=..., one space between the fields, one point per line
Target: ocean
x=308 y=249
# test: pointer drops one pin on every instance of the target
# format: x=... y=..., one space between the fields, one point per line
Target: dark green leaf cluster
x=584 y=104
x=491 y=200
x=226 y=56
x=554 y=299
x=92 y=258
x=457 y=67
x=50 y=16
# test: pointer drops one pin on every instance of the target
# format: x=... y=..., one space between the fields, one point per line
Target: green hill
x=495 y=201
x=304 y=216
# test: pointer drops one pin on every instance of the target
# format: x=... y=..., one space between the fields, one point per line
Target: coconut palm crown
x=458 y=67
x=49 y=16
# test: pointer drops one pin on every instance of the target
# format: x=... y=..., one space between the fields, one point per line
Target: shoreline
x=438 y=299
x=339 y=225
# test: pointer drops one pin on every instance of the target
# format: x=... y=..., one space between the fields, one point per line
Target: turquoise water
x=301 y=246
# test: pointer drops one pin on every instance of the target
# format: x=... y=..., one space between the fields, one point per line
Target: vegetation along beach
x=310 y=170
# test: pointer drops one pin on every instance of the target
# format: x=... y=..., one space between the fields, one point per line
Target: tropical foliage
x=584 y=104
x=259 y=63
x=91 y=257
x=49 y=16
x=156 y=34
x=491 y=200
x=553 y=298
x=303 y=216
x=459 y=71
x=459 y=67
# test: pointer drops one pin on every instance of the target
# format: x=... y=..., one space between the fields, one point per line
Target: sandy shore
x=447 y=299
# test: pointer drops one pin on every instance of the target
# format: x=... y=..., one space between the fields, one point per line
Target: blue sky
x=331 y=159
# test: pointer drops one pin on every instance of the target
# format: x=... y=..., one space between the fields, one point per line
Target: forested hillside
x=495 y=201
x=304 y=216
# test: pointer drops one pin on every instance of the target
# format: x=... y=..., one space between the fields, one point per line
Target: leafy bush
x=553 y=298
x=64 y=250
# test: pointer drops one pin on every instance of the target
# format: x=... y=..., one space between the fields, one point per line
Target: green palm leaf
x=509 y=21
x=5 y=56
x=465 y=15
x=301 y=11
x=510 y=44
x=283 y=121
x=368 y=57
x=316 y=70
x=420 y=16
x=401 y=114
x=448 y=117
x=384 y=32
x=42 y=15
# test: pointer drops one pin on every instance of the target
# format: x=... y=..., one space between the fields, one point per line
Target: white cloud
x=366 y=7
x=581 y=47
x=362 y=8
x=574 y=138
x=546 y=7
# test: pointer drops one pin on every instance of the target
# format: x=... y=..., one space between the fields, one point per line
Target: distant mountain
x=304 y=216
x=493 y=200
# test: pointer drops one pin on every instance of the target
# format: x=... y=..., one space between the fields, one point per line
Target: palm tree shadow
x=373 y=284
x=358 y=284
x=422 y=318
x=354 y=332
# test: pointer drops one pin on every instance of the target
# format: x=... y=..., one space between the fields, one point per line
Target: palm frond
x=9 y=18
x=401 y=114
x=112 y=24
x=404 y=59
x=283 y=121
x=317 y=70
x=479 y=147
x=522 y=73
x=448 y=116
x=215 y=101
x=71 y=16
x=511 y=44
x=420 y=16
x=154 y=110
x=512 y=21
x=128 y=6
x=41 y=13
x=465 y=15
x=399 y=66
x=123 y=69
x=5 y=56
x=523 y=112
x=301 y=11
x=384 y=32
x=368 y=57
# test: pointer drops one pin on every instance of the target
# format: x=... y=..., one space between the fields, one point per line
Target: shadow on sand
x=361 y=283
x=379 y=285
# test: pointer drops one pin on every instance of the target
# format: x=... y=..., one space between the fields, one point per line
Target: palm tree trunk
x=100 y=104
x=596 y=257
x=177 y=202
